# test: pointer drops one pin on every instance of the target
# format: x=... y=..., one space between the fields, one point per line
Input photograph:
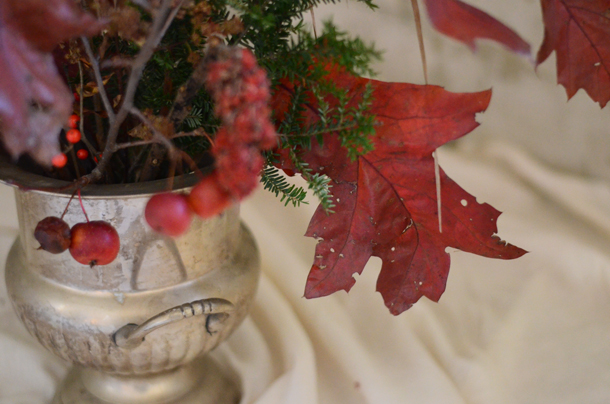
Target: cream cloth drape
x=533 y=330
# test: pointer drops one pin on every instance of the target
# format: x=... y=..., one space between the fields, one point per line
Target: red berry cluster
x=240 y=90
x=90 y=243
x=73 y=136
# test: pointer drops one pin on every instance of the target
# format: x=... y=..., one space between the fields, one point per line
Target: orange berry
x=73 y=121
x=73 y=136
x=82 y=154
x=59 y=160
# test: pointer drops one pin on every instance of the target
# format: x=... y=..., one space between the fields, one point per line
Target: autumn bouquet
x=240 y=92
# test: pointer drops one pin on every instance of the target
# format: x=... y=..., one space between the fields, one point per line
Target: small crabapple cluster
x=240 y=90
x=90 y=243
x=171 y=213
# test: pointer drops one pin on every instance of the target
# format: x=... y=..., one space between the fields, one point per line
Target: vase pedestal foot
x=200 y=382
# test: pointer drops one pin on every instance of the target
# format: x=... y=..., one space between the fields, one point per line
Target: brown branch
x=158 y=137
x=145 y=4
x=99 y=80
x=117 y=62
x=191 y=163
x=164 y=15
x=92 y=149
x=199 y=132
x=120 y=146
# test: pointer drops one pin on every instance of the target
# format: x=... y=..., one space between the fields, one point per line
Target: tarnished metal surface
x=74 y=310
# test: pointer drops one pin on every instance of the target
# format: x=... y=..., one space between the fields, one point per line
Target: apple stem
x=81 y=206
x=68 y=205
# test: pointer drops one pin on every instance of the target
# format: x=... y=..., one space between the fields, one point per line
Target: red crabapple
x=94 y=243
x=168 y=213
x=207 y=198
x=53 y=234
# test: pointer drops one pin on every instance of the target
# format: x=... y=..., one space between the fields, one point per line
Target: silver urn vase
x=136 y=330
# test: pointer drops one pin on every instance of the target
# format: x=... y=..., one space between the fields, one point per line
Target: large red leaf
x=34 y=101
x=466 y=23
x=579 y=31
x=386 y=203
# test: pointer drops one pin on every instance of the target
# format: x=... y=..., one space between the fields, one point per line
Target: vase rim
x=25 y=181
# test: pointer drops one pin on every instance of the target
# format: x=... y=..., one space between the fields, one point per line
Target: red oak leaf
x=34 y=101
x=466 y=23
x=579 y=31
x=386 y=203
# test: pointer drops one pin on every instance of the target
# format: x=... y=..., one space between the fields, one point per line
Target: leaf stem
x=420 y=38
x=437 y=179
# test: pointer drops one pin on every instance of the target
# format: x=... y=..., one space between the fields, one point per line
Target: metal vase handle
x=218 y=310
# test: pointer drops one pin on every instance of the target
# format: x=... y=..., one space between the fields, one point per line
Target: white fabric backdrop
x=533 y=330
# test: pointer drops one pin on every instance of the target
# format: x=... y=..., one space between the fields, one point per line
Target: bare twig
x=127 y=145
x=158 y=137
x=136 y=163
x=139 y=63
x=92 y=149
x=313 y=23
x=163 y=17
x=117 y=62
x=99 y=80
x=187 y=92
x=199 y=132
x=191 y=163
x=145 y=4
x=74 y=162
x=171 y=17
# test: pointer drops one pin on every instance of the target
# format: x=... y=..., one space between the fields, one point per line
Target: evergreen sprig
x=275 y=182
x=318 y=184
x=276 y=32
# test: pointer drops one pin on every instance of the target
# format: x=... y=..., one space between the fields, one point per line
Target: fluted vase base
x=200 y=382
